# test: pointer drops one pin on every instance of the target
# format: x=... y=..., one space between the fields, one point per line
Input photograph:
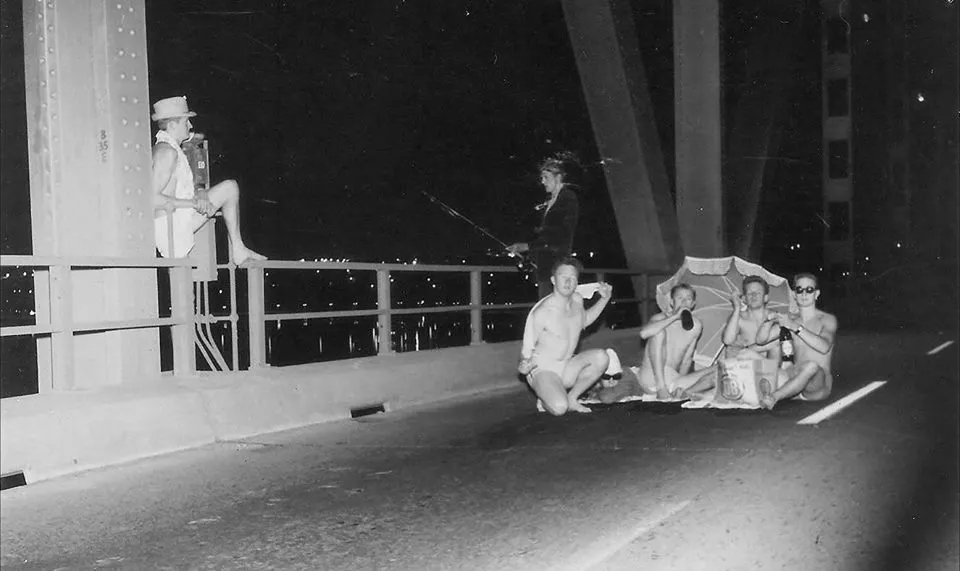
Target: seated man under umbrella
x=666 y=368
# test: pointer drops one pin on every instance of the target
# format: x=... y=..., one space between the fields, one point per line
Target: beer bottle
x=786 y=348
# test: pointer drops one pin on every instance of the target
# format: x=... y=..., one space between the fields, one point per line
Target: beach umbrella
x=716 y=280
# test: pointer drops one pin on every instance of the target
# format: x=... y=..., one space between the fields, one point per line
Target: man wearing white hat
x=174 y=189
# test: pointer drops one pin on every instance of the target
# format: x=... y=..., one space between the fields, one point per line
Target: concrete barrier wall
x=51 y=435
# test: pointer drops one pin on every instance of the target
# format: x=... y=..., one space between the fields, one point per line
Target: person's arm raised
x=732 y=328
x=766 y=335
x=658 y=323
x=606 y=292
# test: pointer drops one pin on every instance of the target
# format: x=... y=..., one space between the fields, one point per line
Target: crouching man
x=552 y=332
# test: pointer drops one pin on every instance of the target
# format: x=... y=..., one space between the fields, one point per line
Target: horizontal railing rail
x=58 y=323
x=54 y=310
x=385 y=311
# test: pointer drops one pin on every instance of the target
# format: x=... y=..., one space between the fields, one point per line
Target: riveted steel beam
x=88 y=135
x=613 y=77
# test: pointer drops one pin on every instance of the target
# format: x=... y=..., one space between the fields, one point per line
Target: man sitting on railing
x=175 y=194
x=551 y=334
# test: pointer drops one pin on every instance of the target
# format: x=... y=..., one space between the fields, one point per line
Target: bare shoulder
x=658 y=317
x=828 y=320
x=545 y=309
x=164 y=156
x=162 y=149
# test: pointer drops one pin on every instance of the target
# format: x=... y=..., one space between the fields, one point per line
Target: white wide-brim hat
x=171 y=107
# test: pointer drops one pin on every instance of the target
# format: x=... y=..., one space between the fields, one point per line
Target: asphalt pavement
x=488 y=483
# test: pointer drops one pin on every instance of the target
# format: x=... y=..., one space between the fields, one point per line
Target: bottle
x=686 y=319
x=786 y=348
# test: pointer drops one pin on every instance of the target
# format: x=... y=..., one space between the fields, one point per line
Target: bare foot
x=573 y=405
x=768 y=402
x=243 y=254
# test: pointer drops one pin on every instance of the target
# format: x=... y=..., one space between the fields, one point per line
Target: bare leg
x=707 y=380
x=806 y=375
x=549 y=389
x=225 y=196
x=581 y=373
x=695 y=382
x=657 y=351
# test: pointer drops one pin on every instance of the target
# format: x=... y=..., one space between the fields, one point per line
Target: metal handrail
x=58 y=322
x=61 y=323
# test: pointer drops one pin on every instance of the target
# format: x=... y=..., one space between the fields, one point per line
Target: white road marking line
x=602 y=550
x=939 y=348
x=835 y=407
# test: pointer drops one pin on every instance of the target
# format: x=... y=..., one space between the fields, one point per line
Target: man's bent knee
x=556 y=407
x=810 y=368
x=231 y=187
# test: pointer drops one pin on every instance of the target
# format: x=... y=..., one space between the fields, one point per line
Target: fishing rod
x=523 y=263
x=449 y=210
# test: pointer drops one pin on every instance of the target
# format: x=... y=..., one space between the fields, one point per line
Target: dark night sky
x=354 y=108
x=333 y=115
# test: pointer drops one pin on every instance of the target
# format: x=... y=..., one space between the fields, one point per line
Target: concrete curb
x=51 y=435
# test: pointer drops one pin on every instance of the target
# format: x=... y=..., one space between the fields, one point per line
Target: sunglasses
x=808 y=289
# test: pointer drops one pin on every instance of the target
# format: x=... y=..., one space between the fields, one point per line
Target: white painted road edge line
x=835 y=407
x=603 y=550
x=939 y=348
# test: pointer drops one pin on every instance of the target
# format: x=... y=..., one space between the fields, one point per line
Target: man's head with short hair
x=806 y=289
x=756 y=292
x=565 y=276
x=683 y=286
x=755 y=280
x=809 y=276
x=567 y=261
x=683 y=296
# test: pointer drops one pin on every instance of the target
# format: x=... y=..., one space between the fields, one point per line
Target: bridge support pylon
x=88 y=132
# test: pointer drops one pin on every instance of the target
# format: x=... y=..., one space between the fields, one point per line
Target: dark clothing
x=554 y=238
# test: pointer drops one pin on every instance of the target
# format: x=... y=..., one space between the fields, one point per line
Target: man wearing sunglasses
x=814 y=331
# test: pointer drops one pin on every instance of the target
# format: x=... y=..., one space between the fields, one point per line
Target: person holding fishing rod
x=561 y=210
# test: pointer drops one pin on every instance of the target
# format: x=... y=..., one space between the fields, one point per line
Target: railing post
x=61 y=340
x=476 y=316
x=384 y=319
x=181 y=299
x=43 y=309
x=255 y=312
x=234 y=318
